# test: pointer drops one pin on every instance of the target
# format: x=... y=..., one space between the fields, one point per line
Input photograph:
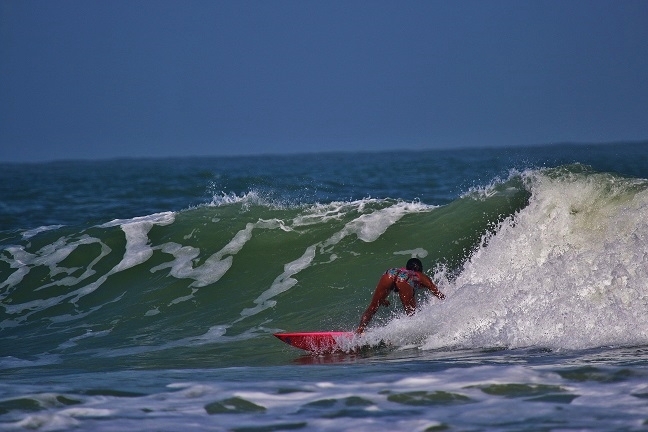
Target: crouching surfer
x=402 y=281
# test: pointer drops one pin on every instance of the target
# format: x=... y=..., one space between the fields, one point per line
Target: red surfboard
x=316 y=342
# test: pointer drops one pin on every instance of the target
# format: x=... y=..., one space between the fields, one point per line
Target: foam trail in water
x=50 y=255
x=136 y=230
x=281 y=284
x=568 y=271
x=26 y=235
x=214 y=267
x=137 y=251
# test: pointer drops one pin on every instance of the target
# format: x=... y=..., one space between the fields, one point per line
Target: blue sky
x=101 y=79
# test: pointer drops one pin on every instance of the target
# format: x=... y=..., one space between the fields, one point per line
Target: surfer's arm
x=438 y=293
x=427 y=282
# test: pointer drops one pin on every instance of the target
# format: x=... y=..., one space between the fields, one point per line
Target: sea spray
x=568 y=271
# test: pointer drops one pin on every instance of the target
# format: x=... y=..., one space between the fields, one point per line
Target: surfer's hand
x=440 y=295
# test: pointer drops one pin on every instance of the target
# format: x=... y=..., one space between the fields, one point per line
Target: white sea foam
x=568 y=271
x=214 y=267
x=136 y=252
x=468 y=397
x=370 y=227
x=136 y=230
x=26 y=235
x=50 y=256
x=282 y=283
x=414 y=253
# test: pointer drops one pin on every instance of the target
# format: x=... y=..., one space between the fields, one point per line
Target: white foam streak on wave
x=281 y=284
x=369 y=227
x=137 y=251
x=26 y=235
x=214 y=267
x=50 y=256
x=136 y=230
x=570 y=271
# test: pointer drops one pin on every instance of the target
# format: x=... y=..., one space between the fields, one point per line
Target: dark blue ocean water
x=143 y=294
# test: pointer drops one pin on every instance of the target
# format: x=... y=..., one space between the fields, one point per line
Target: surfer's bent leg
x=379 y=297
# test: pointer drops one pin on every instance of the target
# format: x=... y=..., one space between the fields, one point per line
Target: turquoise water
x=143 y=294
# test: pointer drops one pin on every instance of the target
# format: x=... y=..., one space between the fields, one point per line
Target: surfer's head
x=414 y=264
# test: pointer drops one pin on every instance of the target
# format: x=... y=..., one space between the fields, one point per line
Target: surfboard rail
x=316 y=342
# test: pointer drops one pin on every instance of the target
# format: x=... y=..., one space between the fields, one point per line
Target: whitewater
x=568 y=271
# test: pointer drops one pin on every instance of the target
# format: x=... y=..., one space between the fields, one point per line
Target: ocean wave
x=544 y=257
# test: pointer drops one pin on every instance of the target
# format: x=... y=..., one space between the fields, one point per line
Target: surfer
x=403 y=281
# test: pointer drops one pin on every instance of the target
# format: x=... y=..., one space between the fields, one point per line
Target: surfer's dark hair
x=414 y=264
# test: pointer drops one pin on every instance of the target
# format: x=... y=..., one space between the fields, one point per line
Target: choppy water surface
x=143 y=294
